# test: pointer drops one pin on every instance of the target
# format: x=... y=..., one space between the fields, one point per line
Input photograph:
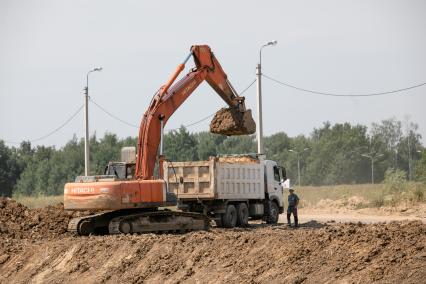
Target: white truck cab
x=274 y=178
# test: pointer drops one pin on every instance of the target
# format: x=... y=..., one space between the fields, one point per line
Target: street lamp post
x=298 y=161
x=86 y=123
x=372 y=157
x=259 y=133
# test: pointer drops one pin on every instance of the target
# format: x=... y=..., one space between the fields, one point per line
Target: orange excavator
x=129 y=202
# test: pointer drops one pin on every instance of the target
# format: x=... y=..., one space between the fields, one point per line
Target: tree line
x=331 y=154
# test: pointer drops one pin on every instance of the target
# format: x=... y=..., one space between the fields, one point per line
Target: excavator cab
x=125 y=169
x=121 y=170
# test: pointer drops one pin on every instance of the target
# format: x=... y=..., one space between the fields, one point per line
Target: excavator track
x=124 y=221
x=92 y=224
x=159 y=221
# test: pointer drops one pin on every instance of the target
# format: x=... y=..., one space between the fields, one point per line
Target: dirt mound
x=351 y=203
x=241 y=159
x=316 y=253
x=19 y=222
x=230 y=121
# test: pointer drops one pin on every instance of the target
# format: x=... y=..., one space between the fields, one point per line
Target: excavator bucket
x=231 y=121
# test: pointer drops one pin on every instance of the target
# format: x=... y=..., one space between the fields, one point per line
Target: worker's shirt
x=292 y=200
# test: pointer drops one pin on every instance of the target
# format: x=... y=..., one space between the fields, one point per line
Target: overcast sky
x=47 y=47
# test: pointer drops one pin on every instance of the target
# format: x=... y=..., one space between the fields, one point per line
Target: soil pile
x=19 y=222
x=230 y=121
x=240 y=159
x=351 y=253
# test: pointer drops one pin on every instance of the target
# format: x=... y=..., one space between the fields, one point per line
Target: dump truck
x=229 y=189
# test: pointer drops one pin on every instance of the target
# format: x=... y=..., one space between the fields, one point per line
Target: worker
x=293 y=201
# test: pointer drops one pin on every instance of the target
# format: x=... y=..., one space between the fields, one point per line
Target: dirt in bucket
x=231 y=121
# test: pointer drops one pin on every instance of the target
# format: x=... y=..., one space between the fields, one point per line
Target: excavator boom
x=170 y=97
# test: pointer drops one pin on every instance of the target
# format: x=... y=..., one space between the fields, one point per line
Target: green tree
x=9 y=170
x=335 y=156
x=180 y=145
x=390 y=132
x=106 y=149
x=237 y=145
x=420 y=169
x=207 y=144
x=276 y=147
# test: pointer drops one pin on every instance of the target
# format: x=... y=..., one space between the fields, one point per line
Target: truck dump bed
x=231 y=177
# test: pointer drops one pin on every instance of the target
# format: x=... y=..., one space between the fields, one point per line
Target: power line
x=53 y=131
x=112 y=115
x=343 y=95
x=248 y=87
x=194 y=123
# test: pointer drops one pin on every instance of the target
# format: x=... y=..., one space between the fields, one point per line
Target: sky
x=345 y=47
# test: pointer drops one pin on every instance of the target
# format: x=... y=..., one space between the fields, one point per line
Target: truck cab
x=274 y=178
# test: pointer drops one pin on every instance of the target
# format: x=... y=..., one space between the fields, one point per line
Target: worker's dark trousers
x=293 y=210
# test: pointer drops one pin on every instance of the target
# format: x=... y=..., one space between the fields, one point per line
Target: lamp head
x=274 y=42
x=98 y=69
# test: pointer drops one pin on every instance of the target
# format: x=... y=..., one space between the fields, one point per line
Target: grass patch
x=373 y=195
x=39 y=201
x=313 y=194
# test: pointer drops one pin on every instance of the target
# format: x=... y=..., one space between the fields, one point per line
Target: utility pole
x=86 y=124
x=372 y=157
x=298 y=161
x=259 y=134
x=409 y=156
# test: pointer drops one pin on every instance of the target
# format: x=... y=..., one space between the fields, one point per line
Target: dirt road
x=34 y=247
x=352 y=217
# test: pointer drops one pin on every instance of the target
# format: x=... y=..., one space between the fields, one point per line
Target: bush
x=379 y=201
x=417 y=192
x=395 y=180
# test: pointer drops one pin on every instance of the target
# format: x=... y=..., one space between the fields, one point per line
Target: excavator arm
x=216 y=77
x=171 y=96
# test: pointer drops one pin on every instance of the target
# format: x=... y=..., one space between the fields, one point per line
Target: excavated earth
x=35 y=248
x=230 y=121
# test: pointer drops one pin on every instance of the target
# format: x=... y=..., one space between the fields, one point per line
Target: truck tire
x=242 y=214
x=229 y=219
x=273 y=213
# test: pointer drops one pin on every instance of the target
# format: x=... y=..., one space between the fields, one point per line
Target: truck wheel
x=229 y=219
x=242 y=215
x=273 y=213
